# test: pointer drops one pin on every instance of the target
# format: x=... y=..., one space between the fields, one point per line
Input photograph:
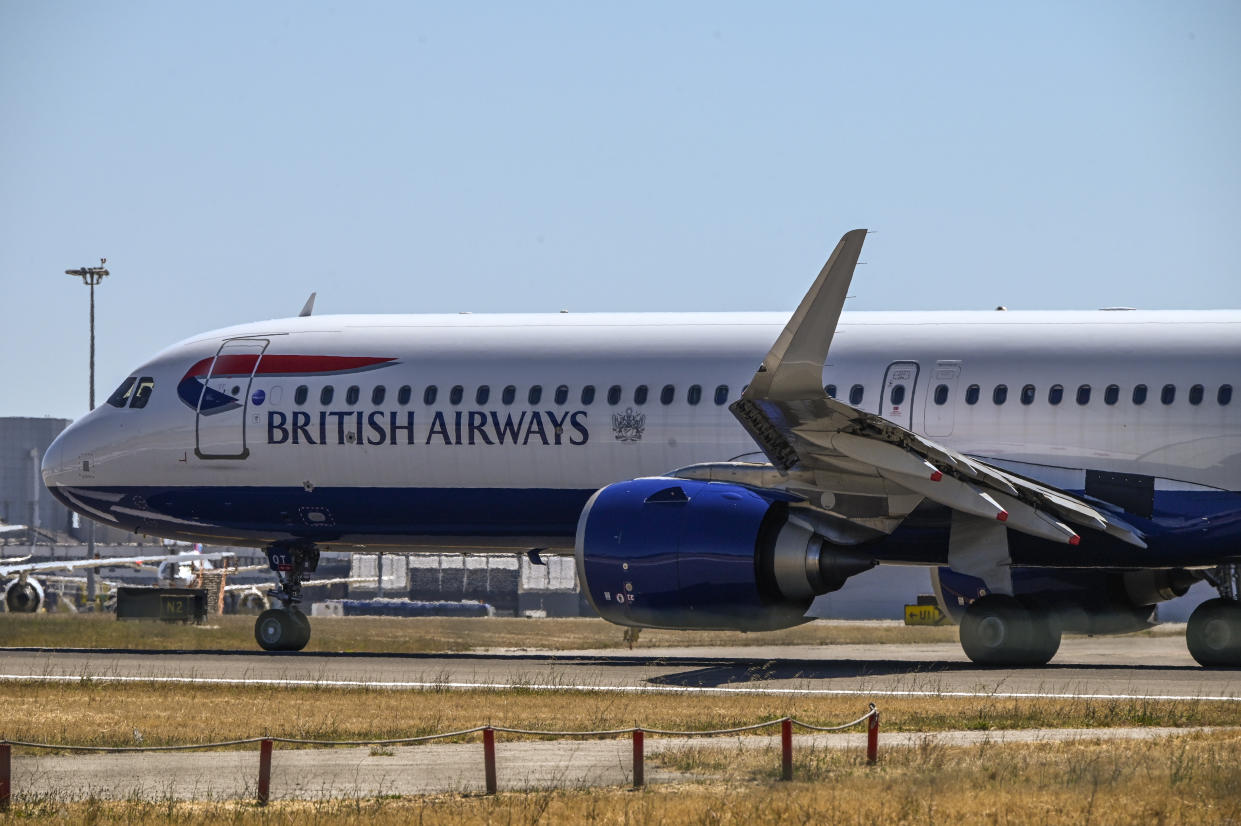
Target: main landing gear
x=1214 y=631
x=999 y=630
x=286 y=628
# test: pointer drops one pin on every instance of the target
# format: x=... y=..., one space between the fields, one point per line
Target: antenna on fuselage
x=309 y=307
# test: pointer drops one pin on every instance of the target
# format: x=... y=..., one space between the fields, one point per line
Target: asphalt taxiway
x=1122 y=667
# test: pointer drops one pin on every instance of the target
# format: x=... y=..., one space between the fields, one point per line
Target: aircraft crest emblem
x=628 y=426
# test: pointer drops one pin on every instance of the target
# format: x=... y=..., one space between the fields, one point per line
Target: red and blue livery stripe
x=194 y=391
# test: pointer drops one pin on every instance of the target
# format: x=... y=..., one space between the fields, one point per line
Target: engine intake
x=23 y=596
x=679 y=553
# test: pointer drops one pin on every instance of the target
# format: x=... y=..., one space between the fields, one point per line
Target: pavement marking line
x=627 y=689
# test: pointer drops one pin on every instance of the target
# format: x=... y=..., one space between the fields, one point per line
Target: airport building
x=23 y=498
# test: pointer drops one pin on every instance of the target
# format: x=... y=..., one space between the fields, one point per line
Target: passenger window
x=971 y=394
x=300 y=394
x=667 y=394
x=694 y=394
x=588 y=394
x=830 y=390
x=639 y=394
x=508 y=394
x=614 y=394
x=1055 y=394
x=120 y=397
x=1195 y=394
x=1027 y=394
x=535 y=395
x=326 y=394
x=1111 y=395
x=403 y=395
x=379 y=394
x=562 y=394
x=1139 y=394
x=941 y=394
x=1083 y=394
x=1000 y=394
x=856 y=392
x=352 y=394
x=721 y=394
x=482 y=394
x=897 y=396
x=142 y=394
x=1168 y=394
x=1224 y=396
x=456 y=394
x=428 y=395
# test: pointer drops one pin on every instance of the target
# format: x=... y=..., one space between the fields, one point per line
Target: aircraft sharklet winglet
x=793 y=368
x=308 y=307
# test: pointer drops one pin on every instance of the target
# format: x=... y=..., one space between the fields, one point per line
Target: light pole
x=91 y=277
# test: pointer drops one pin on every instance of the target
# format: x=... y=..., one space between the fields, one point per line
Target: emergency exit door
x=897 y=403
x=220 y=420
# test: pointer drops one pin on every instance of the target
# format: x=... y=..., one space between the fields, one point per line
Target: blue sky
x=228 y=158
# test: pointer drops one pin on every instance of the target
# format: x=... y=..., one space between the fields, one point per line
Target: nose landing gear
x=286 y=628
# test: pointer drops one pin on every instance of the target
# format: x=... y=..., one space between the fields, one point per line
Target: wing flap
x=804 y=431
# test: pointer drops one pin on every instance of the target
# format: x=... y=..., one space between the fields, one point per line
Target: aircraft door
x=937 y=416
x=220 y=420
x=898 y=393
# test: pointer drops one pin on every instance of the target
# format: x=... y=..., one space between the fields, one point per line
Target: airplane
x=1056 y=471
x=7 y=530
x=24 y=593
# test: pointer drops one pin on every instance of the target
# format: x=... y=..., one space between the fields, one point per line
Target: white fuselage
x=273 y=435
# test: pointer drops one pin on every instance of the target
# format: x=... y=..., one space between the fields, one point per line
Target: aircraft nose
x=52 y=467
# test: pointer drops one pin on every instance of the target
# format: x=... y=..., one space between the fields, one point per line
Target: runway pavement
x=1136 y=666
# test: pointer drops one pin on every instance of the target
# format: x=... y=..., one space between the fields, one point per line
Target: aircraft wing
x=106 y=562
x=862 y=468
x=309 y=583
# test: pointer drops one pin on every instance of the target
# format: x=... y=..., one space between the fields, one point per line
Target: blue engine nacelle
x=680 y=553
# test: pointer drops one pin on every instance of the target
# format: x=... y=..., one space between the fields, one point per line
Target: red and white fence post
x=786 y=749
x=639 y=759
x=872 y=736
x=6 y=776
x=489 y=758
x=264 y=791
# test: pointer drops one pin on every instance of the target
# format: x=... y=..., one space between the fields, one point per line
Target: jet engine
x=1081 y=601
x=679 y=553
x=23 y=595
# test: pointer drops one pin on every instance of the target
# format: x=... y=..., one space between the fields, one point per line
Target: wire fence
x=638 y=734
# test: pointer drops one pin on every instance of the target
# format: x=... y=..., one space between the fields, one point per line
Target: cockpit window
x=121 y=397
x=142 y=393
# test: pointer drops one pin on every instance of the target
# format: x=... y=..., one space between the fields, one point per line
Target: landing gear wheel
x=303 y=629
x=279 y=629
x=1044 y=637
x=999 y=630
x=1214 y=633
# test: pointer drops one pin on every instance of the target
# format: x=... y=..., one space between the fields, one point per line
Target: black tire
x=1213 y=634
x=279 y=630
x=1045 y=637
x=303 y=630
x=999 y=630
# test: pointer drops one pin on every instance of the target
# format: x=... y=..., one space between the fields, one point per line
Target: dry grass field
x=426 y=634
x=92 y=713
x=1188 y=779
